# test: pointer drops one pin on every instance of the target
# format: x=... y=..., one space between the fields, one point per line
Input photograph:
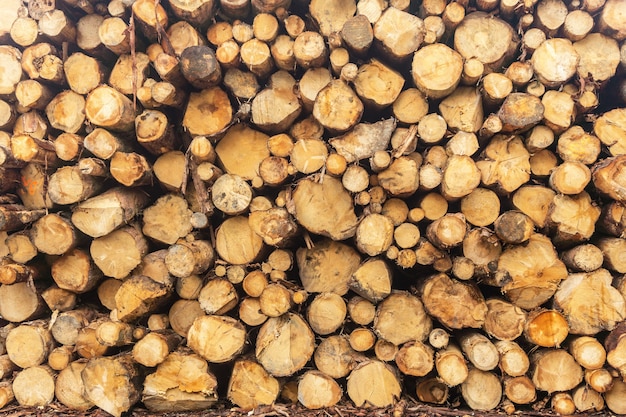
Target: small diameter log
x=357 y=34
x=614 y=397
x=372 y=280
x=520 y=390
x=327 y=258
x=114 y=333
x=373 y=384
x=555 y=370
x=208 y=112
x=432 y=390
x=256 y=55
x=60 y=357
x=479 y=350
x=108 y=108
x=237 y=243
x=563 y=403
x=67 y=325
x=513 y=359
x=170 y=169
x=251 y=386
x=548 y=54
x=371 y=77
x=441 y=83
x=181 y=383
x=588 y=352
x=611 y=249
x=58 y=299
x=242 y=150
x=311 y=198
x=331 y=16
x=34 y=386
x=287 y=333
x=154 y=132
x=599 y=379
x=583 y=258
x=451 y=365
x=103 y=144
x=112 y=383
x=364 y=141
x=189 y=257
x=182 y=314
x=148 y=16
x=326 y=313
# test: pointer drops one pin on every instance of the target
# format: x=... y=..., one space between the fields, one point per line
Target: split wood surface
x=255 y=204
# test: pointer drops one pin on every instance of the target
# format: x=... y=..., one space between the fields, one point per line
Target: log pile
x=251 y=202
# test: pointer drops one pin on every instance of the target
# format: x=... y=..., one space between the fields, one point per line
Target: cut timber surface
x=268 y=206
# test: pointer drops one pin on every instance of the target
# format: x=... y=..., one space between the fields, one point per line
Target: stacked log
x=251 y=202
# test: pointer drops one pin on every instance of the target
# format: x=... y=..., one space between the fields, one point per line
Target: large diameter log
x=373 y=384
x=440 y=83
x=29 y=345
x=284 y=344
x=108 y=108
x=112 y=383
x=317 y=390
x=182 y=382
x=208 y=112
x=108 y=211
x=555 y=370
x=491 y=40
x=589 y=302
x=481 y=390
x=34 y=386
x=69 y=387
x=331 y=15
x=608 y=178
x=20 y=302
x=251 y=386
x=140 y=295
x=530 y=274
x=312 y=198
x=416 y=324
x=337 y=107
x=468 y=308
x=398 y=33
x=216 y=338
